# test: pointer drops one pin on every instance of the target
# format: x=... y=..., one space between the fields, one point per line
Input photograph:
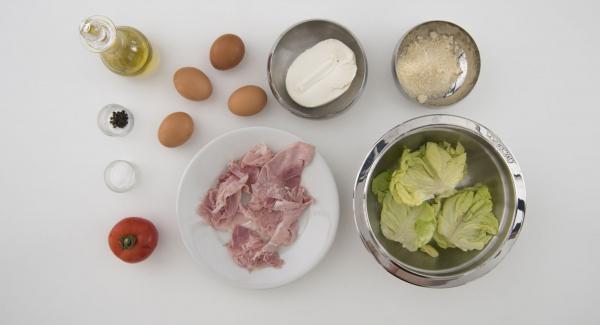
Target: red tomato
x=133 y=239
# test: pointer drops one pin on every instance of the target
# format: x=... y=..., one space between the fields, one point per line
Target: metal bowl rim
x=386 y=259
x=278 y=97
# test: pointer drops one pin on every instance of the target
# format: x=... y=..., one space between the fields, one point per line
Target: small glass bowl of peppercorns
x=115 y=120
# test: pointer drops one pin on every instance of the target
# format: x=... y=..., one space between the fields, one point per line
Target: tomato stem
x=128 y=241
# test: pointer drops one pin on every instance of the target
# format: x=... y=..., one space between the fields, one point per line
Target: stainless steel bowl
x=469 y=59
x=296 y=40
x=488 y=161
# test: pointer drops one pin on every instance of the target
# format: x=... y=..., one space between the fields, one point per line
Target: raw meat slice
x=263 y=221
x=221 y=219
x=237 y=168
x=260 y=198
x=245 y=248
x=258 y=156
x=230 y=186
x=287 y=165
x=286 y=231
x=220 y=204
x=280 y=175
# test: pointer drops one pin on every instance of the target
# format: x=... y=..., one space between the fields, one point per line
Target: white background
x=537 y=90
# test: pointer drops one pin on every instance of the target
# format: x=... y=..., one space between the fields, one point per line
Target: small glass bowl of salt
x=120 y=176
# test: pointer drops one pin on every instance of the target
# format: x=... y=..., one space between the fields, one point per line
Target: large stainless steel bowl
x=488 y=161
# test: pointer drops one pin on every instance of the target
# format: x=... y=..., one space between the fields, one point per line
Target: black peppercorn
x=119 y=119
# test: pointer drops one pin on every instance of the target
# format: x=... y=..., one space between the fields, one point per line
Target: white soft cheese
x=321 y=73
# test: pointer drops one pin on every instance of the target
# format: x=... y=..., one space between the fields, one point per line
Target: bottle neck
x=98 y=33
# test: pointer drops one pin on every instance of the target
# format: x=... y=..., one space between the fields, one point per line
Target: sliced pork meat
x=258 y=156
x=286 y=231
x=220 y=204
x=287 y=165
x=281 y=175
x=220 y=219
x=259 y=198
x=263 y=221
x=246 y=249
x=229 y=187
x=239 y=169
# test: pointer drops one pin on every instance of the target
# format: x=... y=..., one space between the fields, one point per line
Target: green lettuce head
x=413 y=227
x=434 y=169
x=466 y=220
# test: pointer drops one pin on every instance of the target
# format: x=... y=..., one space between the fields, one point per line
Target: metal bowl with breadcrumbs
x=421 y=67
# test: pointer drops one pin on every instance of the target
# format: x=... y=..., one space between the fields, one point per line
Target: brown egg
x=192 y=83
x=226 y=52
x=175 y=129
x=247 y=100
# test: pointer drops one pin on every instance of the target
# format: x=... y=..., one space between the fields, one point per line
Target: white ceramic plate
x=317 y=226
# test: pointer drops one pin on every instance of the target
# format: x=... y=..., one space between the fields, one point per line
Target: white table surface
x=537 y=90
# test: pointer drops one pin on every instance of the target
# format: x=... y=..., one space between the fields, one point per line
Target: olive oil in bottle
x=124 y=50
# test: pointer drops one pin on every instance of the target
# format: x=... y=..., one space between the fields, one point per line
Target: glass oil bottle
x=124 y=50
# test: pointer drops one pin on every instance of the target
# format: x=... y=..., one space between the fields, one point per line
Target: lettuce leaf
x=466 y=220
x=429 y=250
x=434 y=169
x=413 y=227
x=381 y=185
